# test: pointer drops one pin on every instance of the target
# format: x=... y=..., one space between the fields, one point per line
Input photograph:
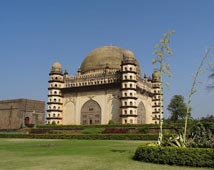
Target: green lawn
x=35 y=154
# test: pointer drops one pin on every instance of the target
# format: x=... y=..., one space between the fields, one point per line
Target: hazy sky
x=36 y=33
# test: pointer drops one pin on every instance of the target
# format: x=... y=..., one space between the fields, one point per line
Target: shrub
x=197 y=157
x=92 y=130
x=111 y=122
x=201 y=136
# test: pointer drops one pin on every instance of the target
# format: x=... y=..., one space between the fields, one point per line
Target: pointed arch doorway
x=91 y=113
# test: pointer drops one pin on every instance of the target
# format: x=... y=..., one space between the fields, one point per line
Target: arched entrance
x=141 y=114
x=91 y=113
x=27 y=121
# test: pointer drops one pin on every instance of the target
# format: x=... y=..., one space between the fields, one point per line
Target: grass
x=36 y=154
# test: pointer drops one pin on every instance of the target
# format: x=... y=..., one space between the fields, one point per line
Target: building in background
x=18 y=113
x=108 y=87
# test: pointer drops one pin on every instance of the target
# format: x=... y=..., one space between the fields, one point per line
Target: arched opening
x=141 y=114
x=91 y=113
x=27 y=121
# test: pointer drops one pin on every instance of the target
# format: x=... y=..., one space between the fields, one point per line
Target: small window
x=91 y=109
x=131 y=112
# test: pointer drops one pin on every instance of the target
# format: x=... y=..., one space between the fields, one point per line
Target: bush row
x=94 y=126
x=197 y=157
x=84 y=136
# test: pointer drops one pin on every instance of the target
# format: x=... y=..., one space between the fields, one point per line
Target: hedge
x=148 y=137
x=80 y=127
x=196 y=157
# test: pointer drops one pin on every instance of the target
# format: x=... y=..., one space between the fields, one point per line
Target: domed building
x=108 y=87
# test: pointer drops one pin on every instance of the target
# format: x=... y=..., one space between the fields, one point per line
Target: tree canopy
x=177 y=108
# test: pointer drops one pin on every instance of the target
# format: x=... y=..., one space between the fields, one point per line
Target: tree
x=162 y=52
x=177 y=108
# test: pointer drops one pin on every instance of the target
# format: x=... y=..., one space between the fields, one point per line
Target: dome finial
x=56 y=67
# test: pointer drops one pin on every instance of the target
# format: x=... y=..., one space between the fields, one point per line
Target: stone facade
x=20 y=112
x=108 y=87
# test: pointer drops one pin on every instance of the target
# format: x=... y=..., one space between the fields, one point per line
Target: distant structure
x=18 y=113
x=108 y=87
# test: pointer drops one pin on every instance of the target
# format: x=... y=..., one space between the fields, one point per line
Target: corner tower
x=54 y=110
x=128 y=90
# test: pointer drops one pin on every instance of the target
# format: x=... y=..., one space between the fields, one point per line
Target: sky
x=36 y=33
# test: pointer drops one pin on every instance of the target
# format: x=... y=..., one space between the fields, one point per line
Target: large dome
x=106 y=56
